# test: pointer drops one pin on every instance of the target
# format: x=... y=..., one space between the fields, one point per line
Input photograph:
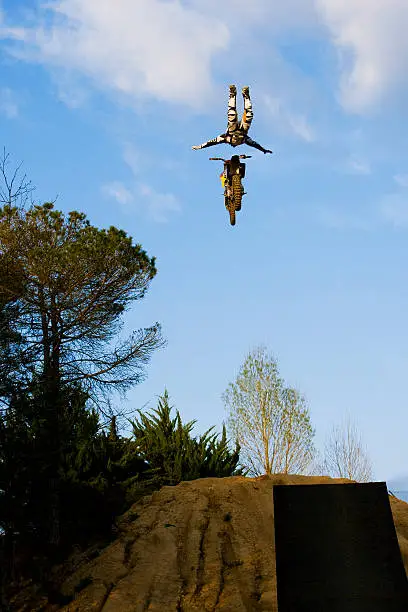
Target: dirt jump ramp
x=337 y=550
x=202 y=546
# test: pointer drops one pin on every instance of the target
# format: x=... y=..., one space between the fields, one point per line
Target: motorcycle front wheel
x=237 y=191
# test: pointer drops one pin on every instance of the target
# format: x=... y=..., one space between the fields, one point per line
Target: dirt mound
x=204 y=545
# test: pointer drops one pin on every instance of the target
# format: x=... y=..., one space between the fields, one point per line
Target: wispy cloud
x=401 y=179
x=69 y=89
x=357 y=165
x=301 y=127
x=343 y=220
x=371 y=39
x=394 y=209
x=118 y=192
x=141 y=196
x=132 y=158
x=159 y=205
x=295 y=123
x=8 y=103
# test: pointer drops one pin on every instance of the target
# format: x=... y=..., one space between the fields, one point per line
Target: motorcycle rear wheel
x=230 y=206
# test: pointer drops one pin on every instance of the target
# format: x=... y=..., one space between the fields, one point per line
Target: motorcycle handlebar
x=224 y=160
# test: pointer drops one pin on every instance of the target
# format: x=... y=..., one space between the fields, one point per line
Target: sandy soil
x=205 y=545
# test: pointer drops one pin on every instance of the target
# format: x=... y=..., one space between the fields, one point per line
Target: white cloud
x=156 y=205
x=343 y=220
x=133 y=158
x=371 y=37
x=132 y=47
x=394 y=208
x=301 y=127
x=142 y=197
x=401 y=179
x=69 y=91
x=155 y=48
x=166 y=48
x=296 y=123
x=73 y=98
x=275 y=16
x=118 y=192
x=159 y=205
x=8 y=103
x=357 y=165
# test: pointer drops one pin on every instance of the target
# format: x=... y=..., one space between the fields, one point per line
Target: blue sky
x=103 y=101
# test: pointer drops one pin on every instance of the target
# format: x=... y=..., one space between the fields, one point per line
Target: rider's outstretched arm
x=210 y=143
x=256 y=145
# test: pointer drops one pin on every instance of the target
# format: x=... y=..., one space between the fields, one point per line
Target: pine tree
x=73 y=281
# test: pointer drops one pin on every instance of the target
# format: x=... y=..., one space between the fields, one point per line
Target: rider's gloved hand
x=195 y=147
x=267 y=151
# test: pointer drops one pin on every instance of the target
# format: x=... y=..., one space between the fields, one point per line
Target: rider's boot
x=232 y=91
x=245 y=91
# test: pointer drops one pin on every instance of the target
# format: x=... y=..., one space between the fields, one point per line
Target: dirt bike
x=234 y=172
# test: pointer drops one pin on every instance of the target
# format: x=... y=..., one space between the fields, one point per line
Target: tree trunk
x=54 y=535
x=53 y=399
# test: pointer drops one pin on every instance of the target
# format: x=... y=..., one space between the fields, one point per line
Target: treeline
x=65 y=471
x=100 y=474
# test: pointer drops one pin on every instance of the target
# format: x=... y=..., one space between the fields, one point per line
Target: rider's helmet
x=235 y=159
x=236 y=139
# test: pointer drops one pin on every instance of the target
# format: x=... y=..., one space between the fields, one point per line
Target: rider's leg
x=248 y=114
x=232 y=110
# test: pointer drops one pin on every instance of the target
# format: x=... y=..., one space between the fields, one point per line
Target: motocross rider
x=237 y=133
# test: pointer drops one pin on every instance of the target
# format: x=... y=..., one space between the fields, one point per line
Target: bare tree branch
x=345 y=455
x=16 y=190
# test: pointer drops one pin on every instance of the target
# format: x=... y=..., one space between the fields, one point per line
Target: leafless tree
x=345 y=455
